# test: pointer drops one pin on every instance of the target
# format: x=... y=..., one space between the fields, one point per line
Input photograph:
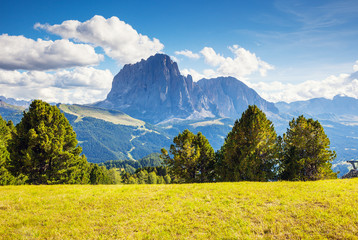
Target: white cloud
x=80 y=85
x=207 y=73
x=242 y=65
x=188 y=54
x=343 y=84
x=118 y=39
x=19 y=52
x=355 y=66
x=84 y=77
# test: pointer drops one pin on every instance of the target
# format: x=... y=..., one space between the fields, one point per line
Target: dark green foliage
x=44 y=148
x=152 y=178
x=250 y=149
x=167 y=179
x=99 y=175
x=306 y=152
x=130 y=166
x=147 y=175
x=160 y=170
x=193 y=158
x=6 y=177
x=142 y=177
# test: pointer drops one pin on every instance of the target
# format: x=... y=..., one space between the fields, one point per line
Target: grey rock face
x=232 y=97
x=154 y=90
x=151 y=90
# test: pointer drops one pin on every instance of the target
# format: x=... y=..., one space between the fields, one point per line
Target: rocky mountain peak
x=154 y=90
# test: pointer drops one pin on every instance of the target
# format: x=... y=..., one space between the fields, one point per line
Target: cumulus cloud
x=242 y=65
x=207 y=73
x=117 y=38
x=19 y=52
x=80 y=85
x=188 y=54
x=343 y=84
x=355 y=67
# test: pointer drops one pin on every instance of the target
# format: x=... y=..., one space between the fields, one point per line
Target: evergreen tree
x=250 y=149
x=6 y=177
x=306 y=152
x=167 y=179
x=132 y=180
x=114 y=176
x=99 y=175
x=44 y=148
x=193 y=158
x=160 y=180
x=142 y=177
x=152 y=178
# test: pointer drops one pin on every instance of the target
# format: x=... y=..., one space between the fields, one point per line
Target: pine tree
x=160 y=180
x=167 y=179
x=306 y=152
x=152 y=178
x=142 y=177
x=44 y=148
x=99 y=175
x=193 y=158
x=6 y=177
x=250 y=149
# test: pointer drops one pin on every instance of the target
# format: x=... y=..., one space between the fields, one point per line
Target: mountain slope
x=232 y=97
x=110 y=135
x=112 y=116
x=11 y=112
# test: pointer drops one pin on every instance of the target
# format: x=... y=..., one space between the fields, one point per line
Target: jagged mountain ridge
x=154 y=90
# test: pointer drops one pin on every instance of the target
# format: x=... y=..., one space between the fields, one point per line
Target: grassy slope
x=112 y=116
x=246 y=210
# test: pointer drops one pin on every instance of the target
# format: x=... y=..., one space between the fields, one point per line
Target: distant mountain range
x=150 y=102
x=14 y=102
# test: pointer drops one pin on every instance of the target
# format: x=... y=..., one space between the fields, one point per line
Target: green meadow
x=244 y=210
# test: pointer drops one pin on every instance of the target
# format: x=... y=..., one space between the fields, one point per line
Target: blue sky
x=285 y=50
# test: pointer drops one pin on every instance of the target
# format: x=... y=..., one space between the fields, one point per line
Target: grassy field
x=245 y=210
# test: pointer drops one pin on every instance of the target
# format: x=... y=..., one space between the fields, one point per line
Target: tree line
x=252 y=151
x=43 y=149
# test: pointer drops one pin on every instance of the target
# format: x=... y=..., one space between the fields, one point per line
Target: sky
x=69 y=51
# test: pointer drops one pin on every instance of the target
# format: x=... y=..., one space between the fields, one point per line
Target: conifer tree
x=99 y=175
x=142 y=177
x=250 y=149
x=193 y=158
x=167 y=179
x=44 y=148
x=152 y=178
x=6 y=177
x=306 y=152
